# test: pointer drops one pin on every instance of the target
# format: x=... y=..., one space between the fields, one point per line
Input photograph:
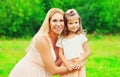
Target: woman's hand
x=78 y=63
x=73 y=65
x=70 y=65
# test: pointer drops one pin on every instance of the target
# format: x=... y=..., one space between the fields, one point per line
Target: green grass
x=104 y=60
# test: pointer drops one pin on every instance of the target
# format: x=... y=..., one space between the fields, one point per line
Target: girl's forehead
x=73 y=19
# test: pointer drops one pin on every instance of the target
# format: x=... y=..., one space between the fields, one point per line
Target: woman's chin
x=58 y=32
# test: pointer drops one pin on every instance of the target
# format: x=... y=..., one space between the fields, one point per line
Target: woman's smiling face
x=57 y=23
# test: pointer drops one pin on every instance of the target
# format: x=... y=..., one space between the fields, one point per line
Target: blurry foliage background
x=22 y=18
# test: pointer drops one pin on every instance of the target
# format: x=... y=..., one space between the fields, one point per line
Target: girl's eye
x=70 y=23
x=76 y=22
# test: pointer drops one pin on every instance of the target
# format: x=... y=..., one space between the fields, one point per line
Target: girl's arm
x=86 y=54
x=69 y=64
x=43 y=47
x=87 y=51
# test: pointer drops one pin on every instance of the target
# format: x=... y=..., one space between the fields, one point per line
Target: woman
x=42 y=52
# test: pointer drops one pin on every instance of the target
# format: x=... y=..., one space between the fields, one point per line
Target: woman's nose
x=58 y=23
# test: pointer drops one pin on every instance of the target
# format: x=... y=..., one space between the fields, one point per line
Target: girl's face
x=73 y=25
x=57 y=23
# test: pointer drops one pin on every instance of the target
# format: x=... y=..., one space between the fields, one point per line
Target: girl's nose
x=74 y=25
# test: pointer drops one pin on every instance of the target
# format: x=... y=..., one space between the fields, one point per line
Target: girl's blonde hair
x=45 y=26
x=70 y=15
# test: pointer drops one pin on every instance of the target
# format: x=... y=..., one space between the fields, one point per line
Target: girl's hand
x=76 y=60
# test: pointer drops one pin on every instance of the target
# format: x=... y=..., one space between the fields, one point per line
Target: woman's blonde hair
x=70 y=15
x=45 y=26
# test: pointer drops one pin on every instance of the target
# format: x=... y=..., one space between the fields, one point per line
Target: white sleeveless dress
x=31 y=65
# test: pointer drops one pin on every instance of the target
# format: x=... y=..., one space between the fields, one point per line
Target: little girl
x=73 y=47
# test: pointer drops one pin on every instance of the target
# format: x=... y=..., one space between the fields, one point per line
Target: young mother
x=42 y=52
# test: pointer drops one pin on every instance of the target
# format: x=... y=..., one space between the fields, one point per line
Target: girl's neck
x=71 y=35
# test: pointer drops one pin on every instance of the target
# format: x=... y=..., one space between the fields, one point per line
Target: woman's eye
x=54 y=20
x=61 y=20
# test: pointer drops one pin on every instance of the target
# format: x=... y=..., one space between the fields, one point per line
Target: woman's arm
x=43 y=47
x=58 y=62
x=69 y=64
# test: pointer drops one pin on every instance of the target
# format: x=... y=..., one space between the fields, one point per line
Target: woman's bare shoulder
x=42 y=41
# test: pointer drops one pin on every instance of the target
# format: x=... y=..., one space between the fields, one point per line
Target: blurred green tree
x=24 y=17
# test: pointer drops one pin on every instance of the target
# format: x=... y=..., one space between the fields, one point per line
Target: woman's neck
x=53 y=37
